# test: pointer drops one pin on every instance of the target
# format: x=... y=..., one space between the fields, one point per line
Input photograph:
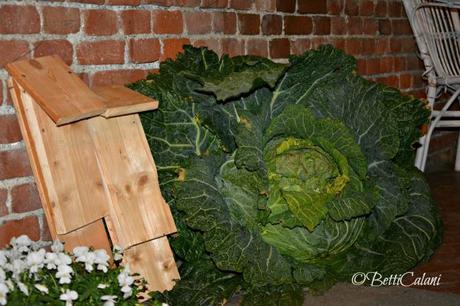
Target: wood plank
x=33 y=155
x=59 y=91
x=154 y=261
x=121 y=100
x=137 y=209
x=92 y=235
x=69 y=166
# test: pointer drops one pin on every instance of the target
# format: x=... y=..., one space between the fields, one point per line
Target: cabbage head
x=285 y=177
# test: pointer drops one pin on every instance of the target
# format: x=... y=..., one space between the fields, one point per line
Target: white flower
x=2 y=275
x=53 y=260
x=9 y=284
x=102 y=286
x=18 y=266
x=109 y=300
x=68 y=296
x=21 y=243
x=3 y=258
x=57 y=246
x=23 y=288
x=36 y=260
x=64 y=274
x=80 y=251
x=42 y=288
x=3 y=294
x=125 y=281
x=102 y=260
x=117 y=253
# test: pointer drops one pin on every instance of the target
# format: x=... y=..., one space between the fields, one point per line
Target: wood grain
x=60 y=92
x=154 y=261
x=69 y=167
x=121 y=100
x=137 y=209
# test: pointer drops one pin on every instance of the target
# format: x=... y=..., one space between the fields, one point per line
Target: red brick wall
x=120 y=41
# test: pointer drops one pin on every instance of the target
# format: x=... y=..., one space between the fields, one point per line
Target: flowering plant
x=31 y=275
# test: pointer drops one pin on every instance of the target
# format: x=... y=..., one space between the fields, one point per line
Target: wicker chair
x=436 y=26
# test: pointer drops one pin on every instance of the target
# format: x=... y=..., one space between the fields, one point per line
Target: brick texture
x=120 y=41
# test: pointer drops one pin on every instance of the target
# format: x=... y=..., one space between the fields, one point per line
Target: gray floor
x=349 y=295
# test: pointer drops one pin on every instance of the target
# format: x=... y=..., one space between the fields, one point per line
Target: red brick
x=280 y=48
x=405 y=81
x=60 y=20
x=25 y=198
x=117 y=77
x=384 y=27
x=395 y=45
x=295 y=25
x=408 y=45
x=257 y=47
x=335 y=7
x=187 y=3
x=355 y=26
x=367 y=8
x=312 y=6
x=12 y=50
x=395 y=9
x=373 y=66
x=88 y=1
x=224 y=22
x=28 y=226
x=266 y=5
x=167 y=22
x=401 y=27
x=386 y=64
x=9 y=129
x=382 y=45
x=17 y=19
x=101 y=52
x=287 y=6
x=1 y=91
x=160 y=2
x=322 y=25
x=14 y=163
x=272 y=24
x=232 y=46
x=241 y=4
x=45 y=232
x=136 y=21
x=100 y=22
x=249 y=24
x=173 y=46
x=351 y=7
x=198 y=22
x=3 y=208
x=361 y=66
x=338 y=25
x=61 y=47
x=214 y=3
x=400 y=63
x=392 y=81
x=339 y=43
x=316 y=42
x=353 y=46
x=381 y=8
x=123 y=2
x=299 y=46
x=144 y=50
x=368 y=46
x=370 y=26
x=212 y=44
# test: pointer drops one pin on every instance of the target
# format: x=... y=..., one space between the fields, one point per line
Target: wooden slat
x=69 y=167
x=92 y=235
x=154 y=261
x=121 y=100
x=60 y=92
x=137 y=209
x=33 y=155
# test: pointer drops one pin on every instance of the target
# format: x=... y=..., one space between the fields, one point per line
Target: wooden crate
x=93 y=167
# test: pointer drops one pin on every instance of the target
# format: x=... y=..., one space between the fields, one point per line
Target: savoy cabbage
x=284 y=177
